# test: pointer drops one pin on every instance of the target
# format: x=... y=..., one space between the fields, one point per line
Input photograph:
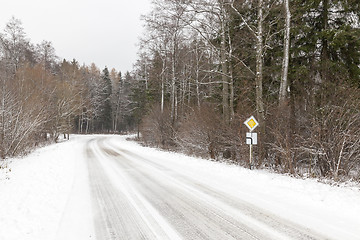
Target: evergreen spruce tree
x=106 y=118
x=327 y=40
x=139 y=98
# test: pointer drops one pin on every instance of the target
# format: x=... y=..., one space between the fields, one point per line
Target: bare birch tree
x=285 y=64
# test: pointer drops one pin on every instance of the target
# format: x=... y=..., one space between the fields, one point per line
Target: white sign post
x=251 y=138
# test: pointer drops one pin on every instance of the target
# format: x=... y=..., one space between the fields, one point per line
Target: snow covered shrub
x=156 y=128
x=202 y=132
x=199 y=133
x=317 y=136
x=280 y=143
x=333 y=139
x=22 y=110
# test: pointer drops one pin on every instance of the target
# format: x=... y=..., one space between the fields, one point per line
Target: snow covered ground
x=47 y=195
x=36 y=194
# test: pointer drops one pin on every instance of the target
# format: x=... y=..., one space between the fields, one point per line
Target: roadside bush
x=156 y=128
x=204 y=133
x=334 y=143
x=317 y=142
x=200 y=133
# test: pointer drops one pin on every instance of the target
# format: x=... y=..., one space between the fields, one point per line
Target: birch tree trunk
x=285 y=63
x=197 y=89
x=2 y=130
x=197 y=78
x=231 y=81
x=162 y=93
x=259 y=65
x=162 y=74
x=173 y=84
x=224 y=78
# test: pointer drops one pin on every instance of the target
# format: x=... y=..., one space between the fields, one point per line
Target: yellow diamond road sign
x=251 y=123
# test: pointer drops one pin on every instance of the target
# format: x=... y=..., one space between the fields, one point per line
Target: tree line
x=42 y=97
x=207 y=65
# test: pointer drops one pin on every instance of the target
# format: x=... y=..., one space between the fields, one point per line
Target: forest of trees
x=205 y=66
x=44 y=98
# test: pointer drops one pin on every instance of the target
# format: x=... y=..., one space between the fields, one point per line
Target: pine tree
x=139 y=99
x=327 y=39
x=106 y=118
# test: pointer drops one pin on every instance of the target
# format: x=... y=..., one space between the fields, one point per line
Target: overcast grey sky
x=105 y=32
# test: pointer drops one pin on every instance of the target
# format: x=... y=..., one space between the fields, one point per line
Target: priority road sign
x=251 y=123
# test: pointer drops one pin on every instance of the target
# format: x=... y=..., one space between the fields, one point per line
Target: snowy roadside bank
x=35 y=193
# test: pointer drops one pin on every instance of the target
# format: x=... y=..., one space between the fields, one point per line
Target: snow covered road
x=141 y=198
x=119 y=190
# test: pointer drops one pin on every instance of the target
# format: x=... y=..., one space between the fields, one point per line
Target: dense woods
x=204 y=67
x=210 y=64
x=44 y=99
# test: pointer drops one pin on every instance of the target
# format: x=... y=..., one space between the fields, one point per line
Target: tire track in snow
x=262 y=219
x=115 y=217
x=139 y=198
x=122 y=214
x=192 y=217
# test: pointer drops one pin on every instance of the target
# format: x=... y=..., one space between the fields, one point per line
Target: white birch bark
x=285 y=63
x=259 y=64
x=224 y=78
